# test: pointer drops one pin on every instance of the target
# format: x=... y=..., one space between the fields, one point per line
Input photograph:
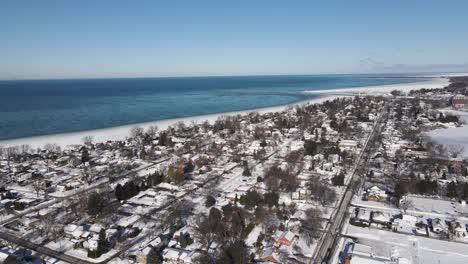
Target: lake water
x=43 y=107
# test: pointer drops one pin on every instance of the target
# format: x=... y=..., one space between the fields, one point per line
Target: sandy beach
x=121 y=132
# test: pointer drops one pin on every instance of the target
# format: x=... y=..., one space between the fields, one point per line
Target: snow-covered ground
x=453 y=136
x=420 y=249
x=423 y=206
x=385 y=89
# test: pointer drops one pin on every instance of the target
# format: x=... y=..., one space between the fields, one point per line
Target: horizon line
x=220 y=76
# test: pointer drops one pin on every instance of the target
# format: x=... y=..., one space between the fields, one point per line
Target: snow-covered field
x=419 y=249
x=453 y=136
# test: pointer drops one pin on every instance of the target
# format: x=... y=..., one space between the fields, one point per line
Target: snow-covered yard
x=419 y=249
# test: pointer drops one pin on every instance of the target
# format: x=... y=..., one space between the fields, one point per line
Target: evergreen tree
x=154 y=257
x=210 y=201
x=451 y=190
x=338 y=180
x=95 y=203
x=246 y=171
x=119 y=192
x=102 y=242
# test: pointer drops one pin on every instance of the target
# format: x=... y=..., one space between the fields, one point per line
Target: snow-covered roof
x=127 y=221
x=168 y=186
x=288 y=235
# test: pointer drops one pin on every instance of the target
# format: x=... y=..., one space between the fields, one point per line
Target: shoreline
x=121 y=132
x=435 y=82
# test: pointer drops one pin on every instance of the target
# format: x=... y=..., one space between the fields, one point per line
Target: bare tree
x=87 y=140
x=321 y=191
x=271 y=223
x=180 y=126
x=152 y=131
x=37 y=185
x=455 y=150
x=78 y=204
x=178 y=213
x=25 y=148
x=206 y=125
x=440 y=150
x=311 y=225
x=206 y=231
x=9 y=153
x=406 y=204
x=137 y=133
x=89 y=174
x=52 y=147
x=50 y=227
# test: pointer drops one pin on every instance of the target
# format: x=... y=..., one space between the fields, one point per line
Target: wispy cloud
x=401 y=67
x=370 y=61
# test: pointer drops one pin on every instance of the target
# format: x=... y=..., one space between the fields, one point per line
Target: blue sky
x=82 y=39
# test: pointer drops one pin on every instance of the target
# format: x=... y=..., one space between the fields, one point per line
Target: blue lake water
x=42 y=107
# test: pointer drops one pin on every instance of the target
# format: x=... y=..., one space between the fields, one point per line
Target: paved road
x=40 y=249
x=329 y=241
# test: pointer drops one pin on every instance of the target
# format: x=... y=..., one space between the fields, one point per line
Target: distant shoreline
x=121 y=132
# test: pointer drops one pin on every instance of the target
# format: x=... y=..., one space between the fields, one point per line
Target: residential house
x=376 y=194
x=381 y=218
x=270 y=255
x=347 y=145
x=284 y=237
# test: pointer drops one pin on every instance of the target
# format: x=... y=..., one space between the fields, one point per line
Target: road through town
x=328 y=242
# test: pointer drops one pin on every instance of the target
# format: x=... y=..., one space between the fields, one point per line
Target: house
x=362 y=250
x=93 y=243
x=145 y=249
x=459 y=101
x=22 y=177
x=284 y=237
x=327 y=166
x=177 y=255
x=269 y=255
x=70 y=229
x=297 y=145
x=381 y=218
x=347 y=145
x=364 y=254
x=168 y=187
x=409 y=219
x=142 y=255
x=376 y=194
x=333 y=158
x=362 y=216
x=3 y=257
x=406 y=223
x=128 y=221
